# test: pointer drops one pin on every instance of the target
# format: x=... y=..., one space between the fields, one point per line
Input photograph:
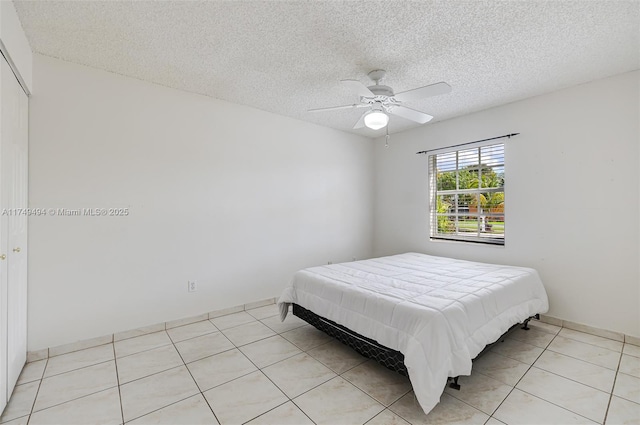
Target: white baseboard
x=616 y=336
x=33 y=356
x=44 y=353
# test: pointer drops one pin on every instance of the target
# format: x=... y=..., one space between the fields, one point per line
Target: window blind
x=467 y=194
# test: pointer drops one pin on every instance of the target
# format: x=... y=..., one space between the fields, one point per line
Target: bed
x=437 y=313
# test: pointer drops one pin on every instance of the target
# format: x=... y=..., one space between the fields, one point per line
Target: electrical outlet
x=192 y=286
x=330 y=262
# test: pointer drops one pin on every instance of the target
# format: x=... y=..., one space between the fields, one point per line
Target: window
x=467 y=194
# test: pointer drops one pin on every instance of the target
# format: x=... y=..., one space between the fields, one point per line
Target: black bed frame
x=367 y=347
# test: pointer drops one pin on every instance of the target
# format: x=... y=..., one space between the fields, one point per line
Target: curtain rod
x=468 y=143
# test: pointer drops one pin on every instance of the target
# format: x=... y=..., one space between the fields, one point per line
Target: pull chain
x=386 y=138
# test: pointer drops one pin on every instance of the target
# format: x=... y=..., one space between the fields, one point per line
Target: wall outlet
x=192 y=286
x=330 y=262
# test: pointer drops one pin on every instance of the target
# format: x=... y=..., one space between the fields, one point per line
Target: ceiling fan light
x=376 y=120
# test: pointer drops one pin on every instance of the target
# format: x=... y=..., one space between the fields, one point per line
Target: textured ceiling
x=286 y=57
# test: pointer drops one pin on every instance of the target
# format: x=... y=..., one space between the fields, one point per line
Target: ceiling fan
x=382 y=101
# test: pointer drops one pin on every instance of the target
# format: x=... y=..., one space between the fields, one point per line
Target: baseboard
x=616 y=336
x=35 y=355
x=45 y=353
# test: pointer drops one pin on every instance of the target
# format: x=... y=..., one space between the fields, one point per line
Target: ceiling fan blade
x=422 y=92
x=335 y=108
x=358 y=87
x=410 y=114
x=360 y=123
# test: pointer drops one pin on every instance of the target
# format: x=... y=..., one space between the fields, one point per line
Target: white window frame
x=474 y=237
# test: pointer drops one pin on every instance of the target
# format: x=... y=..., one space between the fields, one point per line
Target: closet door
x=13 y=225
x=4 y=233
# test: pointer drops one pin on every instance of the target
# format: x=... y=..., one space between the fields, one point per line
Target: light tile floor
x=248 y=367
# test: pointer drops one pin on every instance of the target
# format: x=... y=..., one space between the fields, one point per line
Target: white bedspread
x=439 y=312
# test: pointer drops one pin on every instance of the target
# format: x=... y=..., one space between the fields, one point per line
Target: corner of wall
x=14 y=45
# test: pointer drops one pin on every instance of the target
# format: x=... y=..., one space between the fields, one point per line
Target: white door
x=4 y=198
x=14 y=180
x=17 y=238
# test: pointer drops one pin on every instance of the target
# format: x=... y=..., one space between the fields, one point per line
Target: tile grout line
x=557 y=405
x=162 y=371
x=193 y=337
x=146 y=349
x=231 y=327
x=164 y=328
x=540 y=398
x=571 y=357
x=518 y=381
x=246 y=323
x=532 y=365
x=588 y=343
x=273 y=408
x=194 y=379
x=373 y=360
x=160 y=408
x=338 y=375
x=615 y=378
x=386 y=409
x=573 y=380
x=260 y=339
x=582 y=360
x=151 y=374
x=33 y=405
x=470 y=405
x=289 y=399
x=115 y=360
x=78 y=368
x=244 y=309
x=164 y=345
x=569 y=379
x=310 y=389
x=265 y=375
x=75 y=399
x=270 y=380
x=67 y=401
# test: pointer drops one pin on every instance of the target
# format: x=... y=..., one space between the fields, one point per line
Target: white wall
x=572 y=205
x=233 y=197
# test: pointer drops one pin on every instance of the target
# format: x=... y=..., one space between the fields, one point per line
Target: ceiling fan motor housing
x=380 y=90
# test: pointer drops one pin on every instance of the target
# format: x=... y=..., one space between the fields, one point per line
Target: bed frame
x=391 y=359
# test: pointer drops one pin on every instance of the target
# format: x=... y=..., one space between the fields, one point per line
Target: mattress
x=439 y=312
